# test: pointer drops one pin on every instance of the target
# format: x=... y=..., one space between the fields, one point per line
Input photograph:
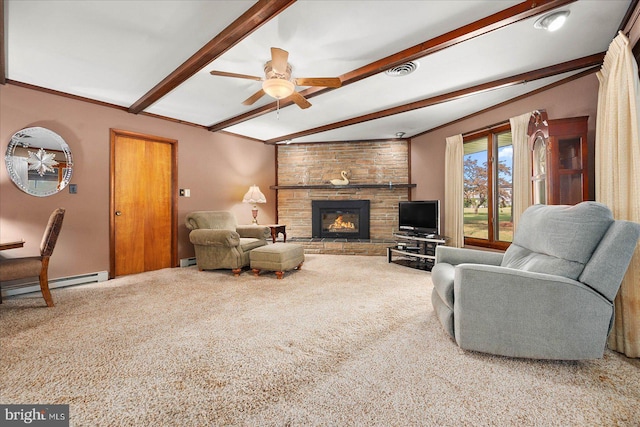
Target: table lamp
x=254 y=195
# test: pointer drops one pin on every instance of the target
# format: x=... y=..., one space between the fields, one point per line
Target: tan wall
x=576 y=98
x=217 y=167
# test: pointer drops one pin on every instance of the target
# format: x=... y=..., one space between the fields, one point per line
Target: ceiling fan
x=277 y=81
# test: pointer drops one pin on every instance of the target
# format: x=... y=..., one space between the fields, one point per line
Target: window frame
x=491 y=134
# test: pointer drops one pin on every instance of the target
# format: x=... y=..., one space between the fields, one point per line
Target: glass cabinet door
x=568 y=178
x=570 y=171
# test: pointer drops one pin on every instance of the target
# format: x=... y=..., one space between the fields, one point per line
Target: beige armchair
x=220 y=243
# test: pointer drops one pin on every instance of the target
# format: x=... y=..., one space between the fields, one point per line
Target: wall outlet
x=185 y=192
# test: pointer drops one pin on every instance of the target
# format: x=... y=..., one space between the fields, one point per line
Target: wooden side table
x=276 y=229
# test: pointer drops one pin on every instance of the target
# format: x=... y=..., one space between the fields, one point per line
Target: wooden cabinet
x=559 y=174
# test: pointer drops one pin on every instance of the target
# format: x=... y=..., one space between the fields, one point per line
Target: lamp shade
x=278 y=88
x=254 y=195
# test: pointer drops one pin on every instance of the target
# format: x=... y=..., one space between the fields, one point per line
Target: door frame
x=115 y=133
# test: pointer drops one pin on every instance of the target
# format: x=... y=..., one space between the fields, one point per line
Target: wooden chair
x=36 y=266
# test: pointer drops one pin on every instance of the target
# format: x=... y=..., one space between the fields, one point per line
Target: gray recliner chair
x=220 y=243
x=549 y=296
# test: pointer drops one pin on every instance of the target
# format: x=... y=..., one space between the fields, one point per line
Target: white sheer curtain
x=453 y=191
x=521 y=172
x=618 y=176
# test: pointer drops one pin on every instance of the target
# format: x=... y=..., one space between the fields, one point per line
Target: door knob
x=118 y=213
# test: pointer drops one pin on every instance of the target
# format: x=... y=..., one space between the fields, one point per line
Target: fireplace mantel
x=339 y=187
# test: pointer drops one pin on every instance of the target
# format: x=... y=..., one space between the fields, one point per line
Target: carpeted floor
x=346 y=341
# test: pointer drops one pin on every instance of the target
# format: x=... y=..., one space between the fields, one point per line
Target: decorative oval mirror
x=39 y=161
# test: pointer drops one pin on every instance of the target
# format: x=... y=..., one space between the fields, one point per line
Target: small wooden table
x=276 y=229
x=11 y=245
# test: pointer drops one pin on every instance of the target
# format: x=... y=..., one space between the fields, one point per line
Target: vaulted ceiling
x=155 y=57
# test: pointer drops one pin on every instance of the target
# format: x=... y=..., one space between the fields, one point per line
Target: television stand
x=415 y=250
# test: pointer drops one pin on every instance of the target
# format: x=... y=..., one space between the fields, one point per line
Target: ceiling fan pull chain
x=277 y=108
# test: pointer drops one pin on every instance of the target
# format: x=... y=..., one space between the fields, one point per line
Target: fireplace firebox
x=340 y=219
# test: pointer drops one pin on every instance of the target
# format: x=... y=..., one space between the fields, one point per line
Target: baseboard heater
x=187 y=262
x=18 y=288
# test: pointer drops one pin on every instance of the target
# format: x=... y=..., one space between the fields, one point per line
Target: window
x=488 y=161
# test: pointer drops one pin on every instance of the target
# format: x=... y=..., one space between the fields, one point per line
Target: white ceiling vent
x=402 y=69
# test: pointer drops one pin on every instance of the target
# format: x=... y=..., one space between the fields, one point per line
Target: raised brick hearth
x=303 y=165
x=344 y=246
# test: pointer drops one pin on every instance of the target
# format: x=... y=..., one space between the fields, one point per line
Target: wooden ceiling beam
x=577 y=64
x=259 y=14
x=498 y=20
x=631 y=13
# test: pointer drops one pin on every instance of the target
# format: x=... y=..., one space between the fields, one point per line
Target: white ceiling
x=117 y=51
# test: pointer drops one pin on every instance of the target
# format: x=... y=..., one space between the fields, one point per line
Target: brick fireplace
x=377 y=171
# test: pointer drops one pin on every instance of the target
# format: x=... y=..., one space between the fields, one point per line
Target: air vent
x=402 y=69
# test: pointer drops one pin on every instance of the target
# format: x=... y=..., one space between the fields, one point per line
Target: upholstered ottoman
x=278 y=257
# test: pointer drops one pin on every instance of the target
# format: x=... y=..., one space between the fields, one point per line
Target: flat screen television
x=421 y=217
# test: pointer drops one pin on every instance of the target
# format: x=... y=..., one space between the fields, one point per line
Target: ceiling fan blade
x=279 y=58
x=253 y=98
x=319 y=81
x=239 y=76
x=300 y=100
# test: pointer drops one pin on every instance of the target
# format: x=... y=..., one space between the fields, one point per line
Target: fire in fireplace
x=339 y=224
x=340 y=218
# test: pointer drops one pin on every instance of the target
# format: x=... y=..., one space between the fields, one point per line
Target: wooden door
x=143 y=203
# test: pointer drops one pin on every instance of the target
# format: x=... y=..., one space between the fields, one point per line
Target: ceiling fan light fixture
x=278 y=88
x=552 y=21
